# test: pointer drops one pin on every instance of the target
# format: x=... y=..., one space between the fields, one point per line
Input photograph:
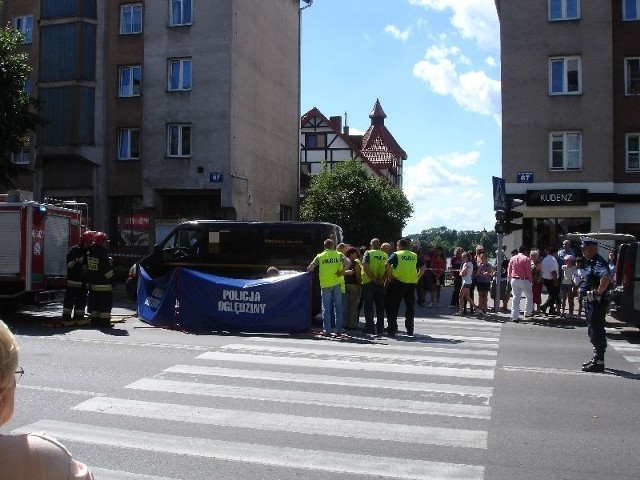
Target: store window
x=132 y=223
x=543 y=232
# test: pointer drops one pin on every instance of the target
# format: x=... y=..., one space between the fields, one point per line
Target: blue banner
x=205 y=302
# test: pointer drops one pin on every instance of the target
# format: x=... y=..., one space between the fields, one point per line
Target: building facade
x=325 y=141
x=571 y=115
x=164 y=110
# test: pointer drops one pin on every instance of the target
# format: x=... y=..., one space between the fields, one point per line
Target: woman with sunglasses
x=30 y=456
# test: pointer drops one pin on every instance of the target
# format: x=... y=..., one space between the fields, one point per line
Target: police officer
x=594 y=289
x=100 y=279
x=373 y=277
x=75 y=295
x=403 y=273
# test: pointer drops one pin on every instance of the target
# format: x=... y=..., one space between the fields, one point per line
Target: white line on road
x=374 y=357
x=330 y=462
x=481 y=373
x=466 y=390
x=68 y=338
x=313 y=398
x=23 y=386
x=104 y=474
x=392 y=432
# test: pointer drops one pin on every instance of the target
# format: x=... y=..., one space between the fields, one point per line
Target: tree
x=17 y=108
x=364 y=206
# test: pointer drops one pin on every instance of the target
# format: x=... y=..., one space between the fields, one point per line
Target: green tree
x=362 y=205
x=17 y=109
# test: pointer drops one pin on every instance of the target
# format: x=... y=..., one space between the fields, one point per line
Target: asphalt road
x=467 y=398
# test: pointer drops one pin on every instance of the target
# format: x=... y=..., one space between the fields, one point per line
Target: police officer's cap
x=586 y=241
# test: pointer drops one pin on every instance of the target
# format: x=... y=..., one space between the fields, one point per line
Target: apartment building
x=164 y=110
x=571 y=115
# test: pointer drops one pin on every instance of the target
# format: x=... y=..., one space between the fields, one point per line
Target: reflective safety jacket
x=329 y=263
x=76 y=266
x=99 y=269
x=376 y=260
x=406 y=269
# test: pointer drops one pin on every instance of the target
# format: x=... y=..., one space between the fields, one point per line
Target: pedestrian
x=331 y=265
x=521 y=279
x=75 y=295
x=373 y=283
x=466 y=273
x=594 y=289
x=578 y=275
x=403 y=274
x=100 y=277
x=28 y=456
x=550 y=278
x=428 y=279
x=421 y=288
x=566 y=285
x=438 y=265
x=353 y=289
x=456 y=265
x=536 y=286
x=273 y=271
x=565 y=251
x=483 y=281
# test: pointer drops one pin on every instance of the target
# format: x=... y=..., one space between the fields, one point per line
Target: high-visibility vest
x=329 y=263
x=406 y=271
x=377 y=262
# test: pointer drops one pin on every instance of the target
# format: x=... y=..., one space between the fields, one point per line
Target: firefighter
x=75 y=296
x=100 y=279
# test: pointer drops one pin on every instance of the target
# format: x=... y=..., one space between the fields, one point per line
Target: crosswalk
x=282 y=407
x=630 y=351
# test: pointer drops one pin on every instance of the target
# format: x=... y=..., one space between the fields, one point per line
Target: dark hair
x=352 y=250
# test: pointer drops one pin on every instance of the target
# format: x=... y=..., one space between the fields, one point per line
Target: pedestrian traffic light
x=511 y=214
x=501 y=222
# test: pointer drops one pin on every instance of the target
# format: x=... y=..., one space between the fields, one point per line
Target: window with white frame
x=129 y=144
x=564 y=9
x=179 y=140
x=22 y=156
x=131 y=19
x=632 y=148
x=630 y=10
x=179 y=74
x=565 y=151
x=632 y=76
x=130 y=80
x=180 y=12
x=24 y=24
x=565 y=76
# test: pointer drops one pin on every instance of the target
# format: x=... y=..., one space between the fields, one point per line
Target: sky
x=435 y=67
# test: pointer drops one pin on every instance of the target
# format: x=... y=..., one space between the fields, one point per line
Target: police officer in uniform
x=100 y=279
x=373 y=277
x=594 y=289
x=403 y=274
x=75 y=295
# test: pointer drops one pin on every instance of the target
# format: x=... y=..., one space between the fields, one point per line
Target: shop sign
x=557 y=198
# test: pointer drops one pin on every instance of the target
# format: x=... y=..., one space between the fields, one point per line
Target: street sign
x=499 y=194
x=524 y=177
x=216 y=177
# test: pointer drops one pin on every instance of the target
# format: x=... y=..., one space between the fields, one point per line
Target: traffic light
x=501 y=222
x=511 y=214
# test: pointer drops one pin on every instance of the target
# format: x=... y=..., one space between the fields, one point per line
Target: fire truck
x=34 y=241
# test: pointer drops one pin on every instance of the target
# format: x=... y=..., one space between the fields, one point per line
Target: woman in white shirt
x=466 y=272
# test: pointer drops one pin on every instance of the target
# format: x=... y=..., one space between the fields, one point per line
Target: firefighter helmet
x=100 y=238
x=87 y=237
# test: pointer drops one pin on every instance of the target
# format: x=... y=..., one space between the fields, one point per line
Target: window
x=179 y=140
x=24 y=25
x=632 y=141
x=130 y=19
x=180 y=74
x=565 y=76
x=564 y=9
x=565 y=151
x=180 y=14
x=315 y=140
x=130 y=80
x=129 y=144
x=631 y=10
x=22 y=156
x=632 y=76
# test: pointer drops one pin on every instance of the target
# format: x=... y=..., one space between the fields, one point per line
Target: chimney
x=336 y=122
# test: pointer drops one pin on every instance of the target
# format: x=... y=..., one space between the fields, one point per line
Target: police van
x=237 y=249
x=625 y=296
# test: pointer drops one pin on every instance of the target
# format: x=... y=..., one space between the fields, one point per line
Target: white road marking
x=23 y=386
x=104 y=474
